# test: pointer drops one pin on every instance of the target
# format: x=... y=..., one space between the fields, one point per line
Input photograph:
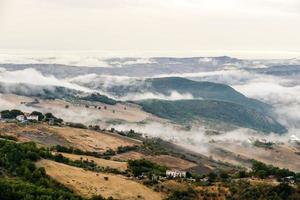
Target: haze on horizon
x=241 y=28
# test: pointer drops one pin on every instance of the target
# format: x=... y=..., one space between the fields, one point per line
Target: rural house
x=21 y=118
x=33 y=117
x=175 y=174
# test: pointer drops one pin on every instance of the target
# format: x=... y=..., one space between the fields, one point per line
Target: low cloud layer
x=33 y=77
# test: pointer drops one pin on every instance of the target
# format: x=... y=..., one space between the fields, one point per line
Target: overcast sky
x=255 y=28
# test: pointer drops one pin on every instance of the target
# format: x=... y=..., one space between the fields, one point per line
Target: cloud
x=72 y=59
x=174 y=95
x=33 y=77
x=196 y=139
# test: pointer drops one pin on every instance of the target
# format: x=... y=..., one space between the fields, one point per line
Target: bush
x=77 y=125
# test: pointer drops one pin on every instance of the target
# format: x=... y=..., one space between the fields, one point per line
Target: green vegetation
x=244 y=190
x=23 y=181
x=145 y=167
x=8 y=137
x=154 y=146
x=262 y=170
x=39 y=114
x=50 y=116
x=185 y=111
x=27 y=182
x=107 y=154
x=99 y=98
x=266 y=145
x=77 y=125
x=188 y=194
x=11 y=114
x=17 y=189
x=204 y=90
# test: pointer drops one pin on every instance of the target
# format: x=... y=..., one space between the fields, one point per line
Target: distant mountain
x=132 y=67
x=147 y=67
x=279 y=70
x=199 y=90
x=187 y=111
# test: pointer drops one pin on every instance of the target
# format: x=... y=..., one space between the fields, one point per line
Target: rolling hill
x=186 y=111
x=199 y=90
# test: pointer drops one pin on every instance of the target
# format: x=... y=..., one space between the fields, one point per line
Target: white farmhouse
x=33 y=117
x=175 y=174
x=21 y=118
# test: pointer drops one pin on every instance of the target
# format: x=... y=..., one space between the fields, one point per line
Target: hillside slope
x=185 y=111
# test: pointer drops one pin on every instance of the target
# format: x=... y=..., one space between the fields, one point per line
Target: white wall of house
x=20 y=117
x=176 y=173
x=33 y=117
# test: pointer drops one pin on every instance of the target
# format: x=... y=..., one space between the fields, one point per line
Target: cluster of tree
x=188 y=194
x=30 y=182
x=124 y=149
x=246 y=191
x=100 y=98
x=106 y=154
x=262 y=170
x=154 y=145
x=76 y=151
x=11 y=114
x=266 y=145
x=146 y=167
x=50 y=116
x=24 y=190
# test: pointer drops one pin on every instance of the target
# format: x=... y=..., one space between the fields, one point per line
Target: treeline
x=100 y=98
x=107 y=154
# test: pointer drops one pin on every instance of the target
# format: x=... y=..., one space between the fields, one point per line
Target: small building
x=289 y=179
x=175 y=174
x=51 y=121
x=21 y=118
x=33 y=117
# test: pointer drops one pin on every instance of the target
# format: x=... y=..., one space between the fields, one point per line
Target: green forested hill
x=185 y=111
x=204 y=90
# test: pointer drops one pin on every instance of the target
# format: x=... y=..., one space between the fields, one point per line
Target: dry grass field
x=87 y=183
x=166 y=160
x=280 y=155
x=121 y=166
x=83 y=139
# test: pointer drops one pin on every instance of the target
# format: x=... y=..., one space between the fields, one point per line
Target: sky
x=242 y=28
